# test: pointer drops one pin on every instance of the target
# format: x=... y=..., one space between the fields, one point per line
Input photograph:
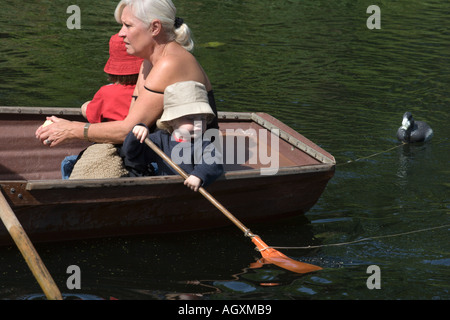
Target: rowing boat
x=271 y=172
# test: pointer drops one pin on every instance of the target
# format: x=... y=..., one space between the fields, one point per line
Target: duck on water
x=414 y=131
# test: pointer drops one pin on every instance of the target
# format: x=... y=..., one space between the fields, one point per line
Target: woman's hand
x=193 y=182
x=57 y=132
x=140 y=132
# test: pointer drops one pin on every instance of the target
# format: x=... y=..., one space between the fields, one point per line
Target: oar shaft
x=228 y=214
x=28 y=251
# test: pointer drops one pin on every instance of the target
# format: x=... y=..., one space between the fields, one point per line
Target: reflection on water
x=315 y=66
x=407 y=157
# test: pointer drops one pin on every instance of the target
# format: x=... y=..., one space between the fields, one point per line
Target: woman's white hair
x=164 y=11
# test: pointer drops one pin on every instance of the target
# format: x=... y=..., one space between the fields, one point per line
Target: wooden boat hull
x=52 y=209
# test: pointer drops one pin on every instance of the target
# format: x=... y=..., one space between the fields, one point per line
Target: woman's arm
x=146 y=109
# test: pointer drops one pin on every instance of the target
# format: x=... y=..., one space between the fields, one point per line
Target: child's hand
x=84 y=109
x=140 y=132
x=193 y=182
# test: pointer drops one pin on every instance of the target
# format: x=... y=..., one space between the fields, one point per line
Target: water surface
x=318 y=68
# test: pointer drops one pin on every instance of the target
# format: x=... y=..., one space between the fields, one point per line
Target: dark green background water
x=318 y=68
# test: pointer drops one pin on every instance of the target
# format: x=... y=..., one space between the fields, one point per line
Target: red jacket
x=110 y=103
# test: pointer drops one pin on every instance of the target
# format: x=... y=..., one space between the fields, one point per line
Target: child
x=186 y=113
x=112 y=101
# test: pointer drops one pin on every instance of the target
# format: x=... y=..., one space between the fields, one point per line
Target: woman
x=150 y=31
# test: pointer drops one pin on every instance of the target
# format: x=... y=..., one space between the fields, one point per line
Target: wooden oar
x=270 y=255
x=28 y=251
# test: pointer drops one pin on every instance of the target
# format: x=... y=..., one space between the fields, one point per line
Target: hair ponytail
x=183 y=37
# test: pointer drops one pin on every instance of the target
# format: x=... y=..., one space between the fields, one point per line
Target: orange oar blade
x=275 y=257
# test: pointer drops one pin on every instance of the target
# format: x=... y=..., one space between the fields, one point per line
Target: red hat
x=120 y=62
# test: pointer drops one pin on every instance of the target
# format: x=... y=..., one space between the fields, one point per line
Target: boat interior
x=248 y=140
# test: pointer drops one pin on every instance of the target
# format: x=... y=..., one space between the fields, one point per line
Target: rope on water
x=372 y=155
x=381 y=152
x=364 y=239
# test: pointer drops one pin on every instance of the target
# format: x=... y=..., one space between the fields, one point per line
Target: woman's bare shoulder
x=173 y=68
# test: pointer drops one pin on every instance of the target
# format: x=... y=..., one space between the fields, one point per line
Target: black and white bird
x=414 y=131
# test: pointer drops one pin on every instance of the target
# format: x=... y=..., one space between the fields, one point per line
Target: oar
x=270 y=255
x=28 y=251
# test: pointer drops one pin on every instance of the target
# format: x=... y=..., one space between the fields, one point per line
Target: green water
x=317 y=67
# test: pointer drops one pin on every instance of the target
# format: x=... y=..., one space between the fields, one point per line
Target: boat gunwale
x=157 y=180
